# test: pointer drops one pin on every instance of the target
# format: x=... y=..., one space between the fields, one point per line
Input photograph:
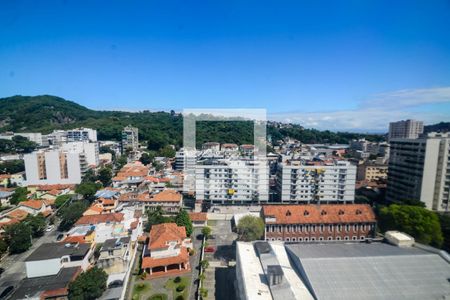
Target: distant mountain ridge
x=45 y=113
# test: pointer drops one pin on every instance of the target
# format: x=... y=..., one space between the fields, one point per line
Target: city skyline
x=351 y=66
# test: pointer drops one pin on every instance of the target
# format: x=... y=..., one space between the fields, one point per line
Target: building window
x=306 y=239
x=330 y=238
x=346 y=238
x=288 y=239
x=321 y=227
x=339 y=228
x=355 y=227
x=313 y=239
x=313 y=228
x=300 y=239
x=330 y=228
x=321 y=238
x=338 y=238
x=362 y=238
x=279 y=239
x=354 y=238
x=294 y=239
x=347 y=227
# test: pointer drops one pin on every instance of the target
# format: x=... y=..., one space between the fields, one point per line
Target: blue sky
x=352 y=65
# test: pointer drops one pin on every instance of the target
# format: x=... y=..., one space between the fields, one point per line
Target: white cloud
x=374 y=114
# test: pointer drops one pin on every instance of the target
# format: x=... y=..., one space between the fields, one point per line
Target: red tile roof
x=34 y=204
x=167 y=196
x=74 y=239
x=49 y=187
x=150 y=262
x=162 y=233
x=198 y=216
x=319 y=214
x=97 y=219
x=18 y=214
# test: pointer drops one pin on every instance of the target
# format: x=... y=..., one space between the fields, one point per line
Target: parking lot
x=219 y=276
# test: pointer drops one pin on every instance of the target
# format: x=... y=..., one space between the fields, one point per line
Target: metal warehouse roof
x=371 y=271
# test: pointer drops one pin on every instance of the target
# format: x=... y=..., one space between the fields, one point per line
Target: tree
x=206 y=231
x=204 y=264
x=156 y=217
x=23 y=144
x=20 y=194
x=87 y=190
x=89 y=176
x=104 y=176
x=183 y=219
x=250 y=228
x=158 y=166
x=445 y=226
x=69 y=214
x=167 y=151
x=12 y=166
x=3 y=247
x=18 y=237
x=37 y=224
x=146 y=158
x=88 y=285
x=416 y=221
x=121 y=161
x=60 y=200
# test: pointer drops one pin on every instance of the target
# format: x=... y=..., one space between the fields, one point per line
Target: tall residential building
x=90 y=150
x=302 y=181
x=130 y=139
x=407 y=129
x=419 y=169
x=82 y=134
x=231 y=181
x=55 y=167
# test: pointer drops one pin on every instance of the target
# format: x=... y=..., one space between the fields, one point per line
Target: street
x=14 y=264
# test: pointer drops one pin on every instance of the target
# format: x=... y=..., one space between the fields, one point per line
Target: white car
x=49 y=228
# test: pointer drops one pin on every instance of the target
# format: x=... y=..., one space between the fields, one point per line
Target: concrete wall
x=42 y=267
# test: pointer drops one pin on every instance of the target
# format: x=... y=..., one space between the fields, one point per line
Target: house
x=98 y=219
x=34 y=207
x=80 y=234
x=199 y=219
x=47 y=287
x=169 y=200
x=114 y=255
x=130 y=176
x=49 y=258
x=50 y=189
x=5 y=196
x=94 y=209
x=325 y=222
x=12 y=217
x=166 y=252
x=102 y=206
x=5 y=179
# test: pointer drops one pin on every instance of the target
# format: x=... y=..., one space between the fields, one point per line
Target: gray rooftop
x=58 y=250
x=106 y=194
x=34 y=286
x=371 y=271
x=111 y=244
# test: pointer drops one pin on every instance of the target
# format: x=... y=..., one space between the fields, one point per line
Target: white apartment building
x=130 y=138
x=302 y=181
x=407 y=129
x=419 y=169
x=232 y=181
x=81 y=134
x=90 y=150
x=54 y=167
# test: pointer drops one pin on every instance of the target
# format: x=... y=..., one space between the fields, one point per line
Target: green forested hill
x=46 y=113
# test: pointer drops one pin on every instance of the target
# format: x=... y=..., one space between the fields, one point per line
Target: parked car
x=115 y=283
x=49 y=228
x=1 y=271
x=210 y=249
x=59 y=237
x=6 y=291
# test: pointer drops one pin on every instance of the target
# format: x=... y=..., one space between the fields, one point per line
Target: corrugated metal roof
x=372 y=271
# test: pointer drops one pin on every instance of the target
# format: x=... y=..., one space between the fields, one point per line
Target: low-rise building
x=114 y=255
x=49 y=258
x=353 y=271
x=372 y=171
x=326 y=222
x=199 y=219
x=166 y=252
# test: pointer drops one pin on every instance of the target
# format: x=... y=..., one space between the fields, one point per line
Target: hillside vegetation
x=46 y=113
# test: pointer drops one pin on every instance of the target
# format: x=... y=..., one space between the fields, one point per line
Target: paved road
x=14 y=265
x=194 y=261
